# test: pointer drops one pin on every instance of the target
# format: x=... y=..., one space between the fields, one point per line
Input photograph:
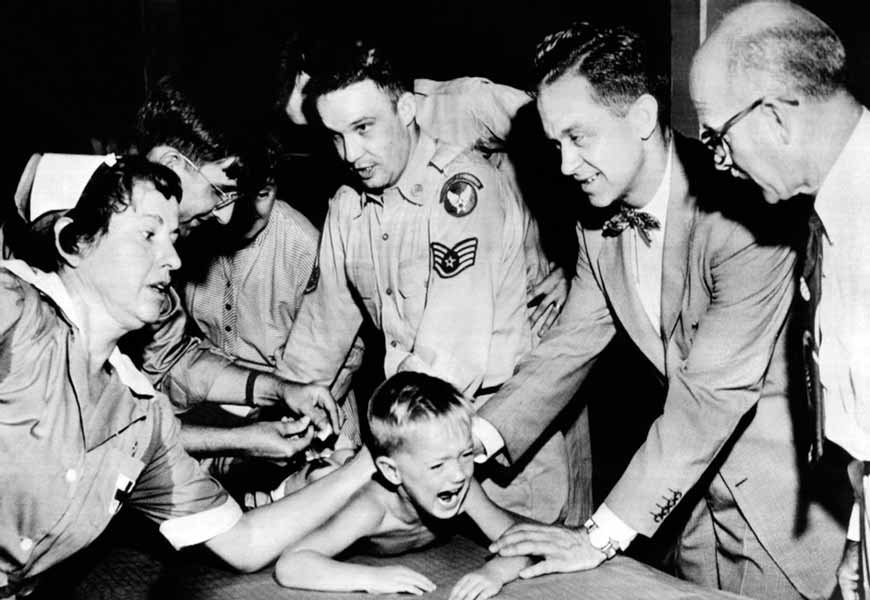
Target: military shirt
x=72 y=458
x=436 y=262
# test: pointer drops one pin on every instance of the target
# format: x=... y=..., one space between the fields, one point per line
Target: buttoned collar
x=411 y=184
x=52 y=287
x=844 y=187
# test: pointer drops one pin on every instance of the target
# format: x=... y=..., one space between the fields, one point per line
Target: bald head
x=777 y=48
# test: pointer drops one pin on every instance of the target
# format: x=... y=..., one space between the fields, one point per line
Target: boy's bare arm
x=309 y=565
x=260 y=536
x=492 y=521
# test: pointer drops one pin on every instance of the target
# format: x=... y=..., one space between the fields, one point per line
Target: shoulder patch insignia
x=313 y=280
x=459 y=194
x=450 y=262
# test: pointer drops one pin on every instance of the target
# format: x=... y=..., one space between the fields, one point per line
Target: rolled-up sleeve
x=190 y=506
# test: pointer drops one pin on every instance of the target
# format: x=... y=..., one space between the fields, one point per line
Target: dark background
x=76 y=71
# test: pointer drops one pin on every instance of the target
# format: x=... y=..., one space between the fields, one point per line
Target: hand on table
x=562 y=549
x=398 y=579
x=477 y=585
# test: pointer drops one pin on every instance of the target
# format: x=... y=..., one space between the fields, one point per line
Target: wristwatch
x=599 y=540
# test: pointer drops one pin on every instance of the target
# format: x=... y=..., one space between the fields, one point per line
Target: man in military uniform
x=430 y=250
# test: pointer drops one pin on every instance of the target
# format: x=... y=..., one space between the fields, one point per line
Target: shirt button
x=394 y=343
x=228 y=306
x=70 y=475
x=26 y=544
x=389 y=291
x=386 y=236
x=228 y=329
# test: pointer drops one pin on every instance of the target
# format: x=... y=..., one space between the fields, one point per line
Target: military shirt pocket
x=413 y=283
x=364 y=282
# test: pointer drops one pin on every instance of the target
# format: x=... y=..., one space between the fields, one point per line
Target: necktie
x=811 y=293
x=631 y=217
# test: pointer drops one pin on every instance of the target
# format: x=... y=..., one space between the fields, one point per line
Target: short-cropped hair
x=345 y=63
x=614 y=60
x=108 y=192
x=408 y=399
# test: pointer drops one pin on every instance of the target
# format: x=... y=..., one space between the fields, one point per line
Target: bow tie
x=627 y=217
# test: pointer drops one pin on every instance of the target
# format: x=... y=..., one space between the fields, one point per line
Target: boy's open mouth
x=450 y=496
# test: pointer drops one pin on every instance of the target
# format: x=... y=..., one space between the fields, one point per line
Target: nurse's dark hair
x=613 y=59
x=408 y=399
x=346 y=62
x=108 y=192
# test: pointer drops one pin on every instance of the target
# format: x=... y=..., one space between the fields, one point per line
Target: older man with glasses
x=805 y=135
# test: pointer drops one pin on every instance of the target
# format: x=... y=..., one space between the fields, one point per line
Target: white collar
x=845 y=184
x=658 y=204
x=52 y=286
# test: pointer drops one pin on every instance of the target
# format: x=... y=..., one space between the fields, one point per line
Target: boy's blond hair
x=408 y=399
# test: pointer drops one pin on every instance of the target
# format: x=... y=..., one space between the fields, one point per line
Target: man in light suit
x=706 y=297
x=770 y=88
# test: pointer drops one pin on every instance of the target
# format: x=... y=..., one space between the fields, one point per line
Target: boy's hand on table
x=476 y=585
x=398 y=579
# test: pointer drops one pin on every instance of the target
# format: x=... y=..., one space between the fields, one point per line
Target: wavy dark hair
x=613 y=59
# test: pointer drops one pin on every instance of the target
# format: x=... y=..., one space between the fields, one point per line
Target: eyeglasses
x=718 y=144
x=226 y=198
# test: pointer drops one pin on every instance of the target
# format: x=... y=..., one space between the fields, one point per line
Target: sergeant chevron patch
x=450 y=262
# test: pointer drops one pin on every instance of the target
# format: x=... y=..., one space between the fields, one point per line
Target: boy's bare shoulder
x=369 y=505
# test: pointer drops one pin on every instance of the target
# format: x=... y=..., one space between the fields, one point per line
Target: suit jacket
x=726 y=295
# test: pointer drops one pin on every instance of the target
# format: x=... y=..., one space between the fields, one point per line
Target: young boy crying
x=422 y=447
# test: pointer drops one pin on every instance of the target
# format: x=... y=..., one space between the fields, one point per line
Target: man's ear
x=644 y=115
x=168 y=158
x=779 y=119
x=388 y=468
x=71 y=258
x=407 y=108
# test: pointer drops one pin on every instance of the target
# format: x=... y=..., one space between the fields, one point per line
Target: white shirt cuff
x=854 y=531
x=202 y=526
x=488 y=436
x=614 y=527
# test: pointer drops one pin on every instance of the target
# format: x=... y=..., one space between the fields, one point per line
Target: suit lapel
x=617 y=274
x=678 y=229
